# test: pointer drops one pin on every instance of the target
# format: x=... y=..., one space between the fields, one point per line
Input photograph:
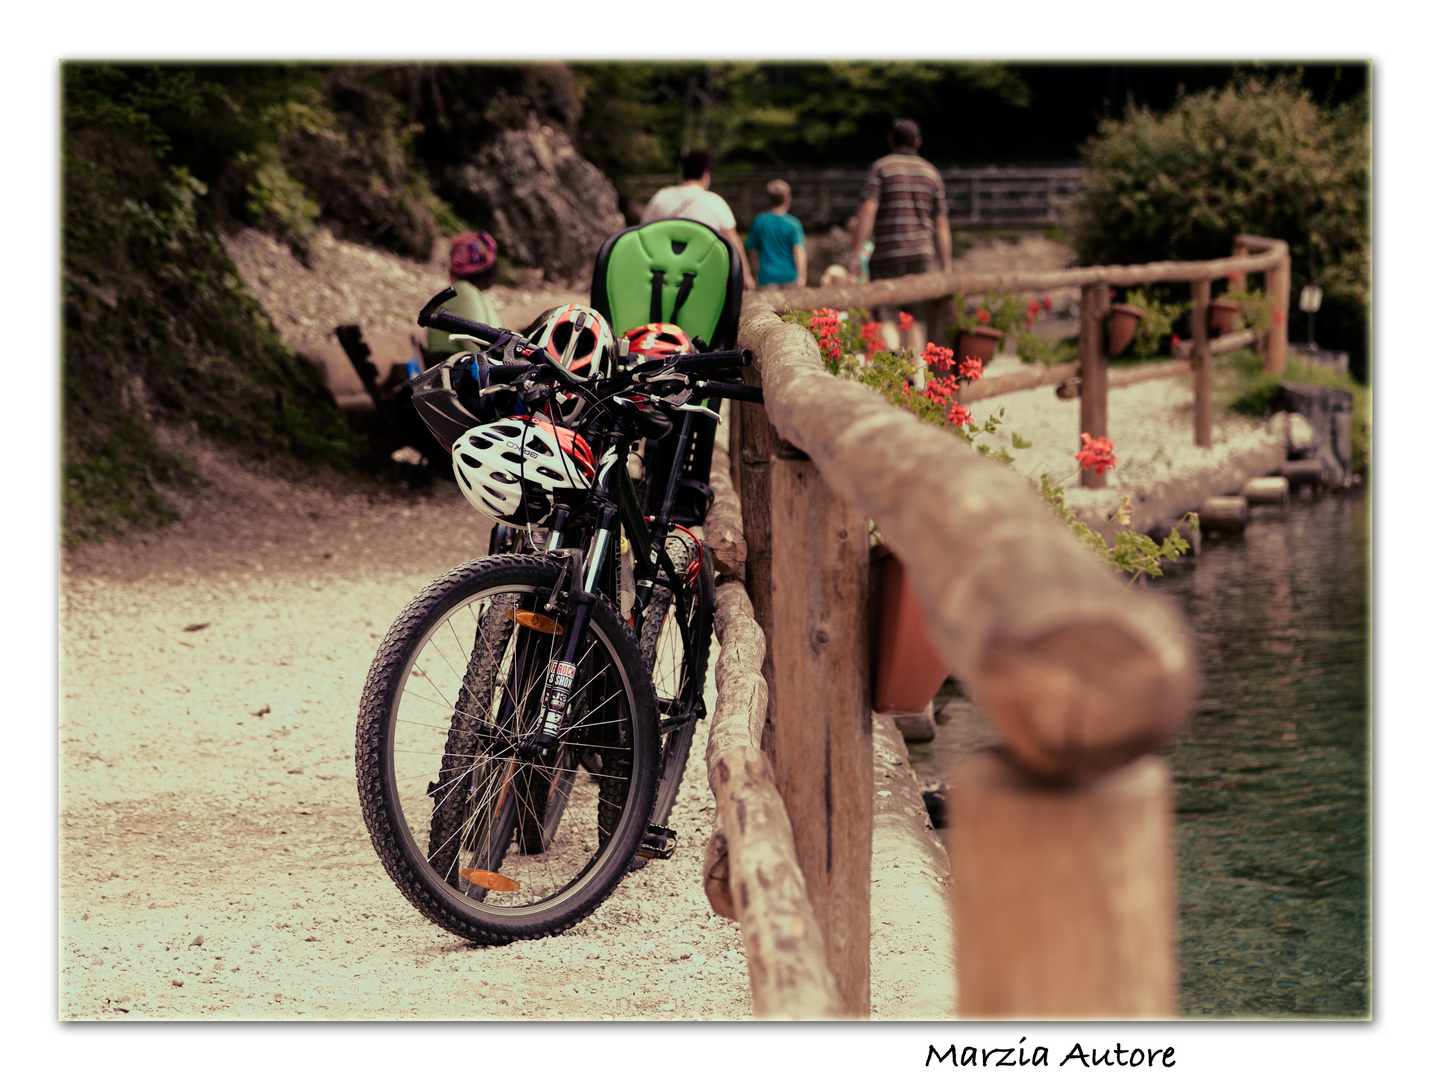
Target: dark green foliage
x=156 y=325
x=1257 y=157
x=642 y=116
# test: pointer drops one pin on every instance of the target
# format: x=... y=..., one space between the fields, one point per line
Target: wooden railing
x=1251 y=255
x=1061 y=847
x=1029 y=197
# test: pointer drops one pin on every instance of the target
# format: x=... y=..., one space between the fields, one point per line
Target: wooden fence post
x=1202 y=364
x=1279 y=292
x=820 y=704
x=941 y=316
x=757 y=442
x=1064 y=896
x=1093 y=371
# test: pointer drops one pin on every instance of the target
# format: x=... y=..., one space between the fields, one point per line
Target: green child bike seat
x=674 y=271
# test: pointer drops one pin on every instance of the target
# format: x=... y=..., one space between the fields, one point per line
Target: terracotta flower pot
x=1123 y=320
x=1220 y=314
x=981 y=343
x=907 y=669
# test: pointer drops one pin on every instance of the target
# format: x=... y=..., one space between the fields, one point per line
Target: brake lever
x=699 y=409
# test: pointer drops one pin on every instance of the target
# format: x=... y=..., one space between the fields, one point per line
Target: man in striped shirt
x=905 y=210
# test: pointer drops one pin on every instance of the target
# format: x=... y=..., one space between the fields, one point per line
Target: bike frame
x=613 y=502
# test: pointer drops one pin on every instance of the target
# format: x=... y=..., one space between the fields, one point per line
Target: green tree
x=1256 y=156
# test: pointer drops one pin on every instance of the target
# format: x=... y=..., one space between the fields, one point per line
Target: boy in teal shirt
x=776 y=243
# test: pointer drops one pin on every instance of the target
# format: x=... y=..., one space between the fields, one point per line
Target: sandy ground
x=213 y=860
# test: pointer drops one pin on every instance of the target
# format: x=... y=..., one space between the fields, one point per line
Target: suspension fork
x=582 y=577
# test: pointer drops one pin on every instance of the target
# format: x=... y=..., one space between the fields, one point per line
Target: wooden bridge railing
x=1063 y=878
x=1082 y=677
x=1251 y=254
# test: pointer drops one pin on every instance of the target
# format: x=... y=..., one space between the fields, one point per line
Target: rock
x=1265 y=489
x=1297 y=435
x=548 y=206
x=1327 y=414
x=1223 y=513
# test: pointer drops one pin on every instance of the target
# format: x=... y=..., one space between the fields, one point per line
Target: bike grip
x=505 y=373
x=733 y=391
x=424 y=317
x=456 y=324
x=715 y=361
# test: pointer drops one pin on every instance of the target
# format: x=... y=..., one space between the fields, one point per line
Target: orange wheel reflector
x=489 y=879
x=541 y=623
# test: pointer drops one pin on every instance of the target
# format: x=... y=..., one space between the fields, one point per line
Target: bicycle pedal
x=658 y=843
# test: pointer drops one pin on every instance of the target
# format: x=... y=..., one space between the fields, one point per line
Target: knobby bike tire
x=456 y=814
x=679 y=676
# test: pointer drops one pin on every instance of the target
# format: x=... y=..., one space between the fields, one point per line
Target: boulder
x=547 y=206
x=1327 y=412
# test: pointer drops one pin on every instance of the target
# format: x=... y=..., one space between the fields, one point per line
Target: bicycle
x=515 y=752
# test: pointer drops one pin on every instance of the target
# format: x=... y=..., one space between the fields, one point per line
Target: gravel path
x=213 y=861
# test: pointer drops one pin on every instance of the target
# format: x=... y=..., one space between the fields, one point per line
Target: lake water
x=1272 y=776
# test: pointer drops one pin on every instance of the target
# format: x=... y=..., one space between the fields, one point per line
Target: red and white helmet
x=578 y=339
x=511 y=469
x=658 y=339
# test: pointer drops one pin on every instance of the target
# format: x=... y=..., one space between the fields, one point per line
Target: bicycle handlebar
x=541 y=367
x=733 y=391
x=714 y=361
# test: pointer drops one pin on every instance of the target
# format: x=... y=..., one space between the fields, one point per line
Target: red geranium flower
x=982 y=315
x=1097 y=454
x=960 y=416
x=937 y=357
x=906 y=320
x=972 y=368
x=1048 y=303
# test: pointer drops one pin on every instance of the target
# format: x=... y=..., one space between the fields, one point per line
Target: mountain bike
x=526 y=719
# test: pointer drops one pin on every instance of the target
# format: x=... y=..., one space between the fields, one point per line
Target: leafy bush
x=1156 y=325
x=1255 y=156
x=156 y=325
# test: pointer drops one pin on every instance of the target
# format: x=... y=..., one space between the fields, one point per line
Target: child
x=776 y=244
x=472 y=267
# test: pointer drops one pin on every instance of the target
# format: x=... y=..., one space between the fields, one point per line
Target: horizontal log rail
x=1118 y=377
x=938 y=284
x=765 y=890
x=1028 y=378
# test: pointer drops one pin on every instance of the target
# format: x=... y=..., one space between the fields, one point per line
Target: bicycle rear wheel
x=678 y=673
x=487 y=840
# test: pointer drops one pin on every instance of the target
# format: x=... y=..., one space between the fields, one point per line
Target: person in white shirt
x=694 y=200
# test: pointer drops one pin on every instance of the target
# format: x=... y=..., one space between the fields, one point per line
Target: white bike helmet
x=579 y=339
x=511 y=468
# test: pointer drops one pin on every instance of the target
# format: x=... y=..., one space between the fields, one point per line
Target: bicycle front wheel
x=486 y=839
